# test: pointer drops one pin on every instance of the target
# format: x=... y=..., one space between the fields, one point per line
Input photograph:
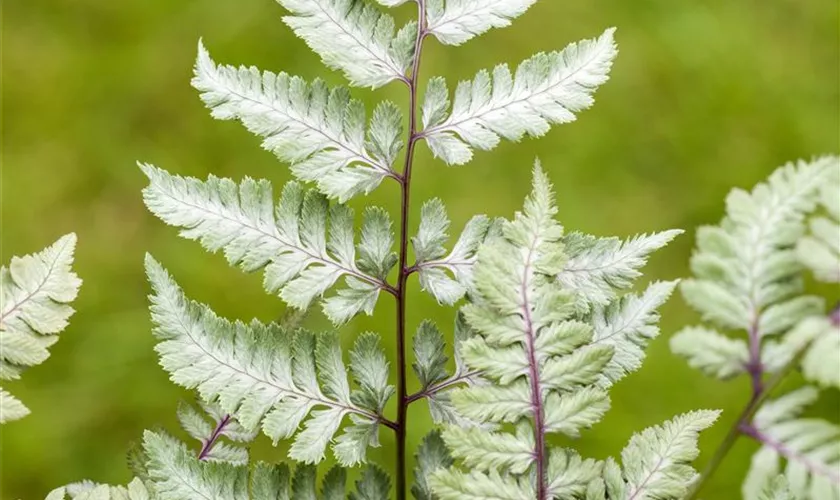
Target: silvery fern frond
x=546 y=89
x=318 y=130
x=598 y=268
x=354 y=37
x=302 y=257
x=135 y=490
x=177 y=474
x=431 y=456
x=655 y=461
x=35 y=293
x=542 y=370
x=810 y=446
x=776 y=489
x=747 y=274
x=628 y=324
x=820 y=249
x=265 y=376
x=446 y=276
x=454 y=22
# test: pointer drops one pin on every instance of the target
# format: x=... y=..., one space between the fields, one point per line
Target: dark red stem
x=404 y=268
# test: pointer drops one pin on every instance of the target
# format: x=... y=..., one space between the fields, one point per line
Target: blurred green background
x=704 y=96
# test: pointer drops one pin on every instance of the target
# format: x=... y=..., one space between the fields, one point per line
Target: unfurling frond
x=820 y=250
x=542 y=370
x=318 y=130
x=453 y=22
x=354 y=37
x=35 y=293
x=433 y=263
x=302 y=257
x=264 y=375
x=546 y=89
x=746 y=269
x=598 y=268
x=135 y=490
x=811 y=448
x=656 y=461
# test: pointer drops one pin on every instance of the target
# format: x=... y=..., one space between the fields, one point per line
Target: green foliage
x=301 y=256
x=35 y=292
x=544 y=370
x=546 y=89
x=267 y=376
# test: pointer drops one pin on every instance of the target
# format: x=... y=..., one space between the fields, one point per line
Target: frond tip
x=35 y=293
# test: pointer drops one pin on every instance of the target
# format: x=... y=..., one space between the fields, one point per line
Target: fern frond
x=776 y=489
x=746 y=270
x=319 y=131
x=354 y=37
x=431 y=456
x=301 y=260
x=656 y=461
x=535 y=354
x=35 y=293
x=264 y=375
x=135 y=490
x=628 y=324
x=600 y=267
x=811 y=448
x=434 y=265
x=177 y=474
x=820 y=250
x=453 y=22
x=547 y=89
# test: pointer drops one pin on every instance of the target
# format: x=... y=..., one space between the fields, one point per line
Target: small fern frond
x=35 y=293
x=263 y=375
x=655 y=461
x=810 y=446
x=820 y=249
x=135 y=490
x=746 y=271
x=434 y=266
x=302 y=257
x=319 y=131
x=546 y=89
x=209 y=433
x=354 y=37
x=598 y=268
x=454 y=22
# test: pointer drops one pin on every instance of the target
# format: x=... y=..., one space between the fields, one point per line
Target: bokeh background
x=704 y=96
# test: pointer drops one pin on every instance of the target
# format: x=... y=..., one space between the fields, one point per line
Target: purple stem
x=404 y=269
x=815 y=468
x=536 y=389
x=211 y=441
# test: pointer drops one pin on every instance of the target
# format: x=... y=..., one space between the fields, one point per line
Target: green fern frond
x=302 y=257
x=546 y=89
x=354 y=37
x=810 y=446
x=318 y=130
x=262 y=374
x=35 y=293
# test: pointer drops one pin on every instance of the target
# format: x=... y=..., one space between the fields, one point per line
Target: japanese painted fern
x=546 y=320
x=749 y=278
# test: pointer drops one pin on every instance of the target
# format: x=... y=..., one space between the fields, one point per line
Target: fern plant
x=545 y=321
x=35 y=295
x=748 y=277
